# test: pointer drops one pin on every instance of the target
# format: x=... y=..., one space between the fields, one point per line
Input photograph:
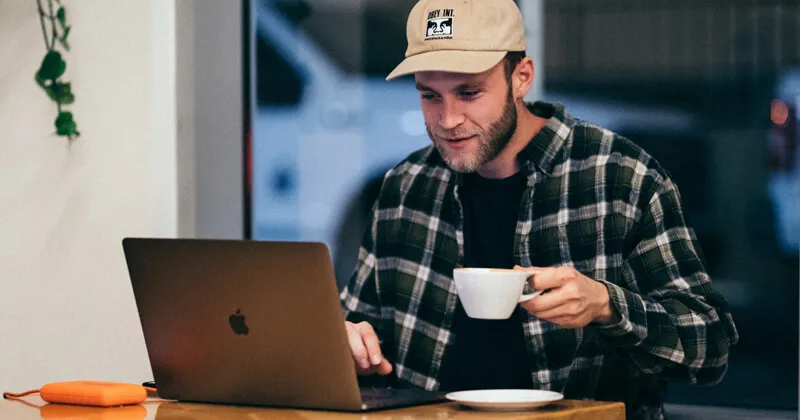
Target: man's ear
x=522 y=78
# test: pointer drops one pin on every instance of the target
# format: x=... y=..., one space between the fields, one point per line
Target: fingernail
x=376 y=360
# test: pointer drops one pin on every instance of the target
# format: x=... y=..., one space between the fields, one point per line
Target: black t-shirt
x=488 y=354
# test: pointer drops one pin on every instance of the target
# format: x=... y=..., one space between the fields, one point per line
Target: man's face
x=470 y=117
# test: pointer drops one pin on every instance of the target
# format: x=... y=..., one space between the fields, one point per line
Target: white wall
x=66 y=307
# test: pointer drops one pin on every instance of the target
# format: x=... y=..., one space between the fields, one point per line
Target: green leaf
x=65 y=125
x=66 y=129
x=39 y=80
x=51 y=92
x=63 y=38
x=61 y=15
x=60 y=93
x=52 y=66
x=63 y=117
x=67 y=99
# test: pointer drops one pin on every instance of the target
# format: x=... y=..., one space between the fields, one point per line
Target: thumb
x=527 y=269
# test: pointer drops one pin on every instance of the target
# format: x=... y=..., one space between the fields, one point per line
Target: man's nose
x=438 y=29
x=452 y=116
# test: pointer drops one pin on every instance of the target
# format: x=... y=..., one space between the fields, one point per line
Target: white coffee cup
x=491 y=293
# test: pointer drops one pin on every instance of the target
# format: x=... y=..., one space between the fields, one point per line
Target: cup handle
x=529 y=296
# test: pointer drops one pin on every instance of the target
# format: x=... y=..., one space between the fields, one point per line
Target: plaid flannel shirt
x=594 y=201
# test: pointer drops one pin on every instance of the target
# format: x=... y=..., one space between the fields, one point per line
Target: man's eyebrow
x=471 y=85
x=464 y=86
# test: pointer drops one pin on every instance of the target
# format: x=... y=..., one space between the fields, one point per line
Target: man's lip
x=456 y=140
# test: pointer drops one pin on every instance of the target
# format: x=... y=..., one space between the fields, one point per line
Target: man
x=507 y=184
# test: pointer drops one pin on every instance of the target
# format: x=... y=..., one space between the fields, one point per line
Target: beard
x=490 y=142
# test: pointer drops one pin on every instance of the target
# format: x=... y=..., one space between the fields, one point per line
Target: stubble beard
x=491 y=142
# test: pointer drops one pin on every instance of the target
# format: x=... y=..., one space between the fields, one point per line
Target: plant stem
x=41 y=20
x=52 y=24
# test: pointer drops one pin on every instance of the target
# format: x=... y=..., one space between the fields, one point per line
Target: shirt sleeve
x=360 y=299
x=675 y=324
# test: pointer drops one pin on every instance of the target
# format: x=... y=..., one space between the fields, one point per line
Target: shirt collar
x=544 y=148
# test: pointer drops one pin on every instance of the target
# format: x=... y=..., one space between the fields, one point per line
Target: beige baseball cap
x=460 y=36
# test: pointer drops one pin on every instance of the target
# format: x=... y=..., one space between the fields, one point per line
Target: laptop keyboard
x=377 y=393
x=388 y=397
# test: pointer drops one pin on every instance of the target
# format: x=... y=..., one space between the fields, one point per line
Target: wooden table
x=34 y=408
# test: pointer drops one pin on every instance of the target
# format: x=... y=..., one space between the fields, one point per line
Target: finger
x=384 y=368
x=549 y=278
x=528 y=269
x=371 y=343
x=531 y=306
x=555 y=313
x=548 y=301
x=357 y=347
x=531 y=271
x=526 y=305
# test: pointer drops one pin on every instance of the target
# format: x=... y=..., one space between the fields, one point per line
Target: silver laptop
x=249 y=322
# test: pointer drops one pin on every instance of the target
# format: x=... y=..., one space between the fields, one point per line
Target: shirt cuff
x=628 y=306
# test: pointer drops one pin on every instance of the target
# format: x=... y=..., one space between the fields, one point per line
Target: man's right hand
x=366 y=349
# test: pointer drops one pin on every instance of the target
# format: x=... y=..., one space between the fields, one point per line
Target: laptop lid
x=243 y=322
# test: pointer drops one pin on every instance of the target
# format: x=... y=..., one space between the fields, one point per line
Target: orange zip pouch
x=97 y=394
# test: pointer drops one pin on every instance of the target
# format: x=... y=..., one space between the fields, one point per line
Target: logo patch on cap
x=440 y=24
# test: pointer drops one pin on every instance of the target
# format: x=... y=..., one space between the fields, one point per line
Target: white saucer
x=504 y=399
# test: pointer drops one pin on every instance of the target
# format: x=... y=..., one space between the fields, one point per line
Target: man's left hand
x=572 y=299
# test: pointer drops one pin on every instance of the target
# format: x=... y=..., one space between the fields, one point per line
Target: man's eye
x=428 y=96
x=470 y=93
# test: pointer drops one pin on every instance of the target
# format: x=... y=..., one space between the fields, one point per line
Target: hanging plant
x=56 y=32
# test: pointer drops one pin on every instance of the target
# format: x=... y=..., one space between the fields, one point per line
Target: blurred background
x=710 y=88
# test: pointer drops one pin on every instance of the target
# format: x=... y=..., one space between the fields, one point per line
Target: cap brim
x=450 y=61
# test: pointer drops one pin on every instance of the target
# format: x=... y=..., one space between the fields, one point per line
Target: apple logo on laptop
x=237 y=323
